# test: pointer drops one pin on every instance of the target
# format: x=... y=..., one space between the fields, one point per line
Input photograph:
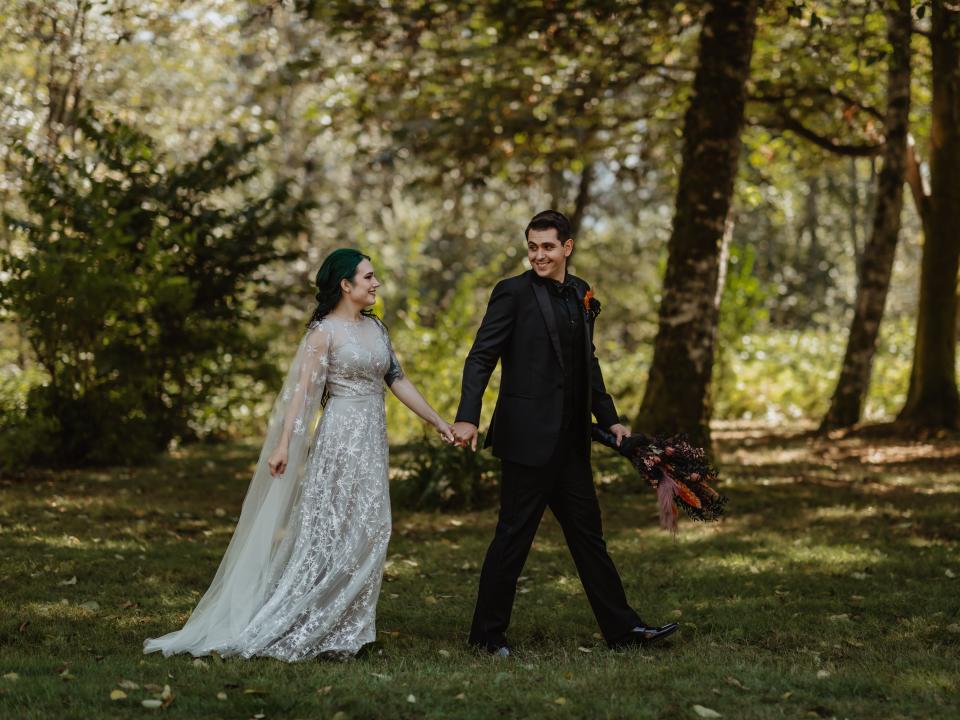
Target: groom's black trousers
x=565 y=484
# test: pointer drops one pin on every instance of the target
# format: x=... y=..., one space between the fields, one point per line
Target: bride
x=302 y=573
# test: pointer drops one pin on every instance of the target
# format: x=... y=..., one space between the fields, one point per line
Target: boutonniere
x=591 y=306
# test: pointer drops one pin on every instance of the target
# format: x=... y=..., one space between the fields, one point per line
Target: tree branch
x=793 y=93
x=785 y=121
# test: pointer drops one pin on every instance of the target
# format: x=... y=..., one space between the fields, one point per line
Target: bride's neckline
x=345 y=321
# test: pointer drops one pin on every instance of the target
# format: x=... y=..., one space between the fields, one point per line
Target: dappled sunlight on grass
x=826 y=585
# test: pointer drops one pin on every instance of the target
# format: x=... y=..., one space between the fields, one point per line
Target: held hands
x=445 y=431
x=278 y=460
x=621 y=432
x=465 y=434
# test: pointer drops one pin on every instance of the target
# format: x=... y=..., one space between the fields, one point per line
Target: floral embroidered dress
x=302 y=573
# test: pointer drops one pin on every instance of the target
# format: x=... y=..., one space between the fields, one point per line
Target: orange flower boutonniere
x=591 y=306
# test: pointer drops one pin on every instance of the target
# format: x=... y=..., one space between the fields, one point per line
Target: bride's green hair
x=339 y=265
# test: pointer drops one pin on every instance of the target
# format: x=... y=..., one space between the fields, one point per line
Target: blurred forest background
x=765 y=199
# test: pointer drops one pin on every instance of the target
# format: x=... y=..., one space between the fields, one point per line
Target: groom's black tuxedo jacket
x=520 y=330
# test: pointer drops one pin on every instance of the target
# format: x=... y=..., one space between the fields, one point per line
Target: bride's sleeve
x=304 y=400
x=394 y=371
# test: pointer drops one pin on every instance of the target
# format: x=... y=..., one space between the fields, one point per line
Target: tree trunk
x=583 y=199
x=853 y=209
x=876 y=265
x=932 y=400
x=677 y=396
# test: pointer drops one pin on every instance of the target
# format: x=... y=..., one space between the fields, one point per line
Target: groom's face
x=547 y=255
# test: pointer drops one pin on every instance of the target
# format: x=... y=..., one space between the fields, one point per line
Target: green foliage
x=437 y=476
x=782 y=375
x=136 y=285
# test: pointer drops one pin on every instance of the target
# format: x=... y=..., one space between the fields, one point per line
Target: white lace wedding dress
x=302 y=573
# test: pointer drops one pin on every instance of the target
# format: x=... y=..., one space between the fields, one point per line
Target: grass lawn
x=831 y=590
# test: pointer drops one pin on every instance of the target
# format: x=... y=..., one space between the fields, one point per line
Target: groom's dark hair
x=547 y=219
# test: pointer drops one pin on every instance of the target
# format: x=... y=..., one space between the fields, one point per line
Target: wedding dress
x=302 y=573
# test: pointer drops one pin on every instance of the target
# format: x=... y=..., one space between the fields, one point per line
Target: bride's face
x=363 y=289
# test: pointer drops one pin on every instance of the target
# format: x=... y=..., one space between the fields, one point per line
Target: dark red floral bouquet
x=677 y=470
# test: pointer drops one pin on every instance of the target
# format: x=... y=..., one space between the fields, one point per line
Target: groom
x=539 y=325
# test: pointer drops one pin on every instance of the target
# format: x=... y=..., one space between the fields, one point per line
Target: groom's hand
x=621 y=432
x=465 y=433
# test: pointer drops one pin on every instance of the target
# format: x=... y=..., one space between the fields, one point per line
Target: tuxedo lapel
x=546 y=309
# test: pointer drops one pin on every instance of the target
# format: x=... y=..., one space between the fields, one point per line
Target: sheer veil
x=260 y=546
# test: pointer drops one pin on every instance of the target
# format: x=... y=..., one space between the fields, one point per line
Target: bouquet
x=677 y=470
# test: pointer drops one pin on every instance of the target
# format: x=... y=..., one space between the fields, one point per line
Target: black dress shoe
x=642 y=636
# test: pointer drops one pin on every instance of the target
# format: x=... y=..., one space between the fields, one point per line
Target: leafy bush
x=436 y=476
x=136 y=283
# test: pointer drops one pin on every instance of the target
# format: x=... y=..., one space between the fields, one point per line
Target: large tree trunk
x=876 y=265
x=677 y=396
x=932 y=400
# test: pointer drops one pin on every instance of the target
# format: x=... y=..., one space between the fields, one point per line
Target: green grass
x=831 y=590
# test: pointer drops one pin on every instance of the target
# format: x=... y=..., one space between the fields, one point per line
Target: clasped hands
x=465 y=433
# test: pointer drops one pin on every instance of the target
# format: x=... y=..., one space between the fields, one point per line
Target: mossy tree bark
x=677 y=396
x=876 y=262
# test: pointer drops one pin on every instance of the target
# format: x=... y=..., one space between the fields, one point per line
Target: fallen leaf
x=91 y=605
x=444 y=653
x=340 y=715
x=950 y=573
x=859 y=576
x=150 y=687
x=821 y=674
x=583 y=649
x=259 y=716
x=23 y=626
x=842 y=617
x=152 y=704
x=254 y=691
x=67 y=675
x=221 y=695
x=11 y=676
x=731 y=680
x=787 y=695
x=411 y=698
x=560 y=701
x=71 y=581
x=118 y=695
x=167 y=696
x=430 y=600
x=198 y=662
x=380 y=676
x=705 y=712
x=460 y=696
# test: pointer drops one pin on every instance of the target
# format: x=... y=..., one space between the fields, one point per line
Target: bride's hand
x=278 y=461
x=445 y=431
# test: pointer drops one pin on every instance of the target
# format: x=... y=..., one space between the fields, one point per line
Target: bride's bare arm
x=408 y=394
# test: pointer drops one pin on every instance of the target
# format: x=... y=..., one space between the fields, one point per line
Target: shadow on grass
x=831 y=587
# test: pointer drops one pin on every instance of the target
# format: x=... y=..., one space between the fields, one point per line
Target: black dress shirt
x=570 y=327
